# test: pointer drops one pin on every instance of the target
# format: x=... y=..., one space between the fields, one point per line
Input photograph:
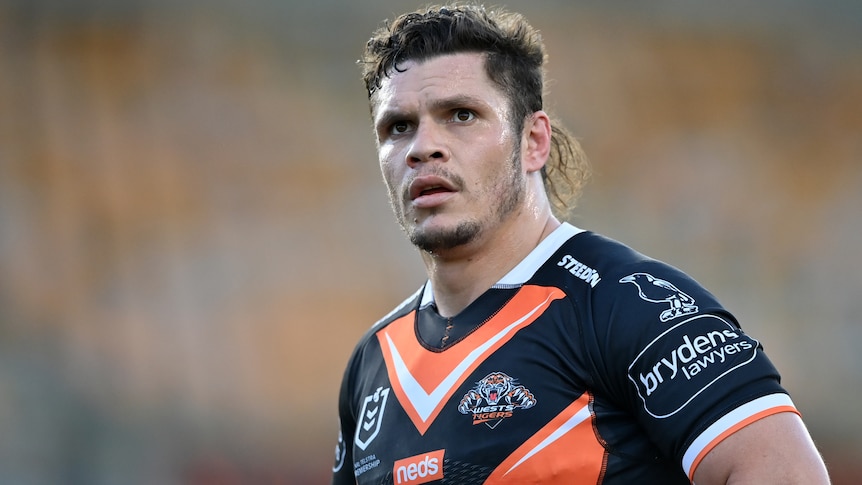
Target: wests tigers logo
x=501 y=396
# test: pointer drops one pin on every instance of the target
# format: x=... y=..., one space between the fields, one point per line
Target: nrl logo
x=500 y=394
x=370 y=417
x=655 y=290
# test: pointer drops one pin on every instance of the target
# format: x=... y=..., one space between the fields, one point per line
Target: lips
x=429 y=185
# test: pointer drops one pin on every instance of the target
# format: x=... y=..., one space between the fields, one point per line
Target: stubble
x=507 y=195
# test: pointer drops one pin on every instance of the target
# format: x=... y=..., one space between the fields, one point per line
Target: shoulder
x=625 y=280
x=368 y=342
x=617 y=276
x=642 y=309
x=411 y=303
x=572 y=256
x=630 y=306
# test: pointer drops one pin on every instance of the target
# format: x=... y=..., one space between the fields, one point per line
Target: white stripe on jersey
x=707 y=439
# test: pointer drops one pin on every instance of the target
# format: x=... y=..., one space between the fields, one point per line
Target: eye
x=399 y=127
x=463 y=115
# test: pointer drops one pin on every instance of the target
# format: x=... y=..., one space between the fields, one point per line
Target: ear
x=536 y=141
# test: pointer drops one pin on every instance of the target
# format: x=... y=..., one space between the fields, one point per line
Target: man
x=536 y=352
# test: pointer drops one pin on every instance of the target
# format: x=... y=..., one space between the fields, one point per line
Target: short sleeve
x=680 y=362
x=342 y=468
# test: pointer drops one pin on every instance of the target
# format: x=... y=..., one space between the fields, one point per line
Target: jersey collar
x=527 y=267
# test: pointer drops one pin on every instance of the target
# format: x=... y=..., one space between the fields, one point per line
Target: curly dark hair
x=514 y=60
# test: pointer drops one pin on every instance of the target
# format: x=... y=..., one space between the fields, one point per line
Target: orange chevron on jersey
x=423 y=380
x=564 y=451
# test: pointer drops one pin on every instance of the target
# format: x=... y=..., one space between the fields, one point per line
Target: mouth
x=425 y=186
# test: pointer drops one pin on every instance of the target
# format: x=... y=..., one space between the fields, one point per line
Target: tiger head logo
x=495 y=397
x=494 y=386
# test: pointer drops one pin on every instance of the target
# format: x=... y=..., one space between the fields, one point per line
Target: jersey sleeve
x=680 y=362
x=342 y=469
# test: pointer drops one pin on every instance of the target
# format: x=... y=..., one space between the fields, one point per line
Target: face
x=449 y=156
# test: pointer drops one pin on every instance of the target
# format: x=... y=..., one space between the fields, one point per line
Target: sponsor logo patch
x=370 y=417
x=340 y=452
x=656 y=290
x=494 y=398
x=685 y=360
x=422 y=468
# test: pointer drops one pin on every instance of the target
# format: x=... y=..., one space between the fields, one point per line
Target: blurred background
x=194 y=233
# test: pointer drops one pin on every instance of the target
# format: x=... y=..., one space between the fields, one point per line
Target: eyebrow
x=457 y=101
x=441 y=104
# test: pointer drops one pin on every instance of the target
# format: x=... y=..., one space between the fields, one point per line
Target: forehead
x=441 y=76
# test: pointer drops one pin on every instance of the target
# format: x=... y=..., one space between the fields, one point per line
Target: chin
x=436 y=239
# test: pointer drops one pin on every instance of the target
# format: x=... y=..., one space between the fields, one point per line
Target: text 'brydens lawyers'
x=693 y=356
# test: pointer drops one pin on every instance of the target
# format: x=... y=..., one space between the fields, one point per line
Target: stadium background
x=193 y=231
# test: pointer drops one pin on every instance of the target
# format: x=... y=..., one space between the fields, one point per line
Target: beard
x=505 y=196
x=435 y=241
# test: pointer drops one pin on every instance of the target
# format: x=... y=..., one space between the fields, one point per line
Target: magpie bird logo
x=656 y=290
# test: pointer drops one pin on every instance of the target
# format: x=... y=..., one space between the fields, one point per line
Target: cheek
x=389 y=171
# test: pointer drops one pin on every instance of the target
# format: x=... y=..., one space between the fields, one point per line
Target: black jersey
x=587 y=363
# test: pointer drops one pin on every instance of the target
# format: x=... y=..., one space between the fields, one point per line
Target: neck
x=461 y=275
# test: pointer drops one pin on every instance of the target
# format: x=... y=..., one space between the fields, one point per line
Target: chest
x=508 y=400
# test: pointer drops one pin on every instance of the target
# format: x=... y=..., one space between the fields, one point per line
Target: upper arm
x=776 y=449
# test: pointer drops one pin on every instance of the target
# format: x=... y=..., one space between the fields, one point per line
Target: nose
x=428 y=145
